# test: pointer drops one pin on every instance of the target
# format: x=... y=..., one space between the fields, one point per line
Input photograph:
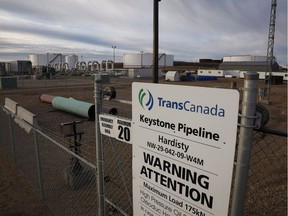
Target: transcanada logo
x=191 y=107
x=142 y=96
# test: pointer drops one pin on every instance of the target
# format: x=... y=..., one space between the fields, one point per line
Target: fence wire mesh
x=118 y=176
x=61 y=81
x=267 y=182
x=65 y=180
x=68 y=185
x=118 y=167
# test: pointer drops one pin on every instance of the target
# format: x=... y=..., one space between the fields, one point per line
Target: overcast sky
x=189 y=29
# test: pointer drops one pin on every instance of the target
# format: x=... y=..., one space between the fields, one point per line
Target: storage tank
x=7 y=66
x=132 y=60
x=71 y=60
x=42 y=59
x=145 y=60
x=38 y=59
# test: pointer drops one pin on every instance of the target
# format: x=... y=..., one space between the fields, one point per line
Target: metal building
x=244 y=58
x=21 y=67
x=246 y=62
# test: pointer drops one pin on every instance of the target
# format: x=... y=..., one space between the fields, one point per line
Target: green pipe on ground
x=83 y=109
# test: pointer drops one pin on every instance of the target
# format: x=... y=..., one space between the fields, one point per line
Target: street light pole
x=47 y=68
x=155 y=40
x=114 y=47
x=141 y=52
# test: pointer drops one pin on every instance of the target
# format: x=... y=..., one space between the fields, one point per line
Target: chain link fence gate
x=116 y=179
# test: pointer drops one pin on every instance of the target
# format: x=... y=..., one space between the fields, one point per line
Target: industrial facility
x=145 y=65
x=139 y=65
x=47 y=65
x=238 y=65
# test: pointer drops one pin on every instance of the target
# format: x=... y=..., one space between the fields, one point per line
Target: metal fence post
x=1 y=128
x=12 y=139
x=245 y=140
x=99 y=146
x=38 y=164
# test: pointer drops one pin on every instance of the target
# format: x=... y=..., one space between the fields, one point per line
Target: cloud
x=188 y=28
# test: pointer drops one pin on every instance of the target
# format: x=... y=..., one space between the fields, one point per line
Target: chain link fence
x=61 y=81
x=66 y=179
x=118 y=176
x=267 y=182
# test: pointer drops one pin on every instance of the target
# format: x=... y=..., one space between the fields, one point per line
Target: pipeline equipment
x=83 y=109
x=46 y=98
x=76 y=174
x=109 y=93
x=71 y=105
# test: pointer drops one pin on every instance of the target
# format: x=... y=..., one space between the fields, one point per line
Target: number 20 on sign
x=118 y=128
x=124 y=130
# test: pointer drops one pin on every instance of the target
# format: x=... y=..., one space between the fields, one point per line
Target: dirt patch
x=16 y=196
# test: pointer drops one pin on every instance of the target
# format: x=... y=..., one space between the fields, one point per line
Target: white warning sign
x=183 y=149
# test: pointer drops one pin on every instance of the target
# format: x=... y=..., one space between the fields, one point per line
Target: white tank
x=132 y=60
x=145 y=60
x=71 y=60
x=43 y=59
x=38 y=59
x=7 y=66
